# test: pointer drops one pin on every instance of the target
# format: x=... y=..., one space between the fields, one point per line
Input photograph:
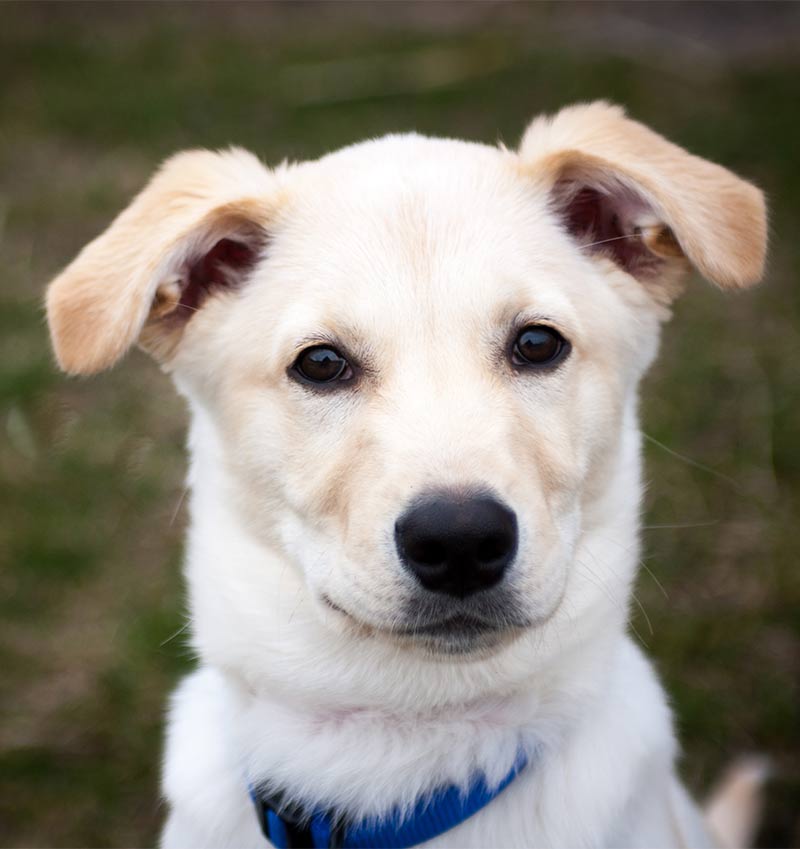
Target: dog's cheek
x=354 y=501
x=303 y=471
x=334 y=481
x=544 y=486
x=326 y=489
x=253 y=425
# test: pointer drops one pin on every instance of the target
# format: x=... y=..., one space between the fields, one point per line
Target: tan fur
x=99 y=304
x=734 y=809
x=718 y=220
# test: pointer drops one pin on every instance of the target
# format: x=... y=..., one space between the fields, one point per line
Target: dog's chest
x=610 y=776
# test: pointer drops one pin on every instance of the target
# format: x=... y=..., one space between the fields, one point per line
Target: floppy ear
x=625 y=192
x=199 y=226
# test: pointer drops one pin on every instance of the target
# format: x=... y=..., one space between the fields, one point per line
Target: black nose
x=457 y=546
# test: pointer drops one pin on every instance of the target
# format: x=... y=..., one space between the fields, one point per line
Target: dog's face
x=414 y=399
x=418 y=358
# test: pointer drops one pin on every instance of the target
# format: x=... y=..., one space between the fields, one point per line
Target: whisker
x=690 y=462
x=644 y=613
x=177 y=633
x=595 y=579
x=639 y=637
x=613 y=239
x=652 y=575
x=599 y=583
x=627 y=548
x=299 y=598
x=178 y=506
x=679 y=527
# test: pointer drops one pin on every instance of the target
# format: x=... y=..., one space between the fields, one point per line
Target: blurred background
x=91 y=518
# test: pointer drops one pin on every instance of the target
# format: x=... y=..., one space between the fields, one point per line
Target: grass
x=90 y=596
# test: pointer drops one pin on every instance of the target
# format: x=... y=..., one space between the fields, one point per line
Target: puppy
x=412 y=370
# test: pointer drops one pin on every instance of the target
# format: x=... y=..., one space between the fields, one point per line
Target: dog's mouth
x=460 y=633
x=459 y=624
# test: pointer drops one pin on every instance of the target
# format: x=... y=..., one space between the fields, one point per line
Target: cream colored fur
x=419 y=256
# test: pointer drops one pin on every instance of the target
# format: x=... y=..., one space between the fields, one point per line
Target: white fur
x=364 y=727
x=419 y=256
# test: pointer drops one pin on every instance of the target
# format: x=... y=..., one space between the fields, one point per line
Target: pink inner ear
x=604 y=223
x=221 y=267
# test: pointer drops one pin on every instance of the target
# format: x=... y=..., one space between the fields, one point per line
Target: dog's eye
x=538 y=345
x=321 y=364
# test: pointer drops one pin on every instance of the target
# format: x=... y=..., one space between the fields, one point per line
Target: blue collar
x=287 y=826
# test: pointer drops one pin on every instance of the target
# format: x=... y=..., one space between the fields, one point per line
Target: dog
x=412 y=370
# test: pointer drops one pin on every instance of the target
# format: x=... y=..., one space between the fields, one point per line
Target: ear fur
x=140 y=267
x=673 y=203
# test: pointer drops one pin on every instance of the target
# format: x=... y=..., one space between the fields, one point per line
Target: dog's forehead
x=406 y=156
x=409 y=222
x=403 y=187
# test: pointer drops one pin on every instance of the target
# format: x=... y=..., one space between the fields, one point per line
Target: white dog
x=412 y=369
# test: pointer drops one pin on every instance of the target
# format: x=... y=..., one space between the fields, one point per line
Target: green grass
x=90 y=597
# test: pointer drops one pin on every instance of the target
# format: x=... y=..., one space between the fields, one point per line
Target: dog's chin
x=461 y=638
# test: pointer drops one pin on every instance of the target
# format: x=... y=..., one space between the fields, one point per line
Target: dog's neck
x=402 y=755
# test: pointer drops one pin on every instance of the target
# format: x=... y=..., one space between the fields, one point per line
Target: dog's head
x=413 y=363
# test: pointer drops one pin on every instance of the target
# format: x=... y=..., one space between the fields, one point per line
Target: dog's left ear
x=625 y=192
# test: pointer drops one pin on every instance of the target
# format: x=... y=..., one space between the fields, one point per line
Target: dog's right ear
x=199 y=226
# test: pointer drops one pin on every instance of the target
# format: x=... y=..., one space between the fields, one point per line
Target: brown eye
x=538 y=345
x=321 y=364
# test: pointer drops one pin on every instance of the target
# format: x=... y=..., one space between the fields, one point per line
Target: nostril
x=429 y=552
x=493 y=548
